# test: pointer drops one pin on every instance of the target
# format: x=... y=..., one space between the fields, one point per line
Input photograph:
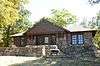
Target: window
x=46 y=40
x=74 y=39
x=22 y=40
x=77 y=39
x=80 y=39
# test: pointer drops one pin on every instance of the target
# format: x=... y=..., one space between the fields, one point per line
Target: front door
x=53 y=40
x=39 y=40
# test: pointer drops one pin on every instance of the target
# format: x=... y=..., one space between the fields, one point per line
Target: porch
x=41 y=39
x=45 y=39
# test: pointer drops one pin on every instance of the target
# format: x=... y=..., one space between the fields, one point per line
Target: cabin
x=42 y=33
x=47 y=33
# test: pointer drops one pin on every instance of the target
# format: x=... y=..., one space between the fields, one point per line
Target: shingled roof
x=45 y=27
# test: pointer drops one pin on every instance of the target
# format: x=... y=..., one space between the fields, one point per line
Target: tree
x=95 y=23
x=20 y=26
x=62 y=17
x=92 y=2
x=91 y=23
x=97 y=36
x=13 y=18
x=98 y=20
x=97 y=39
x=9 y=12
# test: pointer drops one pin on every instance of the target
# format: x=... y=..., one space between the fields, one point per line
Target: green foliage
x=9 y=12
x=97 y=36
x=62 y=17
x=22 y=24
x=89 y=24
x=94 y=23
x=6 y=36
x=13 y=19
x=97 y=39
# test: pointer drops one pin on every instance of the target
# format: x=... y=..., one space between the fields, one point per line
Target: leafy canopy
x=97 y=36
x=9 y=11
x=97 y=39
x=94 y=23
x=62 y=17
x=13 y=18
x=24 y=23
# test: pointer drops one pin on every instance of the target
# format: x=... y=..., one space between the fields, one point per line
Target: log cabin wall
x=47 y=39
x=20 y=41
x=30 y=40
x=61 y=37
x=17 y=41
x=53 y=39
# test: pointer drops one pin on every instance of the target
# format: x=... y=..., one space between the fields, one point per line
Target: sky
x=80 y=8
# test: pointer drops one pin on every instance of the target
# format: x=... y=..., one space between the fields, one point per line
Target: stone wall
x=21 y=51
x=44 y=50
x=29 y=50
x=85 y=50
x=88 y=38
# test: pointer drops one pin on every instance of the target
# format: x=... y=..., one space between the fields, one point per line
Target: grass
x=61 y=62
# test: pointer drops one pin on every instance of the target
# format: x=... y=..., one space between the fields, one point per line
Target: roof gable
x=45 y=27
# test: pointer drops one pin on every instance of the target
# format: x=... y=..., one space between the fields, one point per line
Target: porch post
x=43 y=50
x=34 y=40
x=65 y=39
x=57 y=38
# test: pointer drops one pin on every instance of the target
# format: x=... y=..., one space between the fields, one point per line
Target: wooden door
x=53 y=40
x=39 y=40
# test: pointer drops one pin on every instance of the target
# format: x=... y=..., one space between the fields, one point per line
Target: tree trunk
x=6 y=36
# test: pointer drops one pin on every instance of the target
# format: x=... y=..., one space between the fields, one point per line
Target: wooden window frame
x=77 y=38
